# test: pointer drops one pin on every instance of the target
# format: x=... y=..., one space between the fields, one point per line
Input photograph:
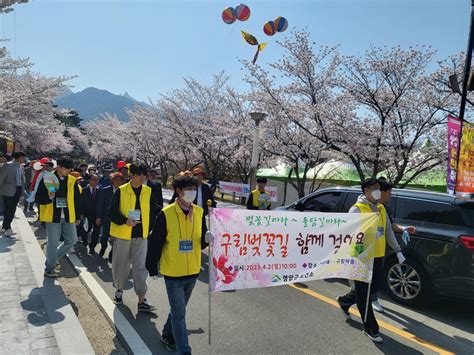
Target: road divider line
x=113 y=313
x=391 y=328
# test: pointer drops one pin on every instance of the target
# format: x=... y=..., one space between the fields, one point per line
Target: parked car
x=440 y=257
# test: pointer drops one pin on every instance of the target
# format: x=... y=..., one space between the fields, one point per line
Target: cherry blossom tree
x=377 y=110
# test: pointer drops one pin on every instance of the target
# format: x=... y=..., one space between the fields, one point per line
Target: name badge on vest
x=185 y=246
x=380 y=231
x=134 y=215
x=61 y=202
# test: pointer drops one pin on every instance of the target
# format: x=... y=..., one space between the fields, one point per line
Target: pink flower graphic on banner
x=223 y=214
x=225 y=274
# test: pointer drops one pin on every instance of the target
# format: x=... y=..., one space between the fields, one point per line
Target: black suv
x=440 y=257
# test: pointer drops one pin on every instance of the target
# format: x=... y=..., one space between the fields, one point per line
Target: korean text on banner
x=454 y=136
x=465 y=173
x=253 y=249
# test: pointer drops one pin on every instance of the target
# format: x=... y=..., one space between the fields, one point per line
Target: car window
x=325 y=202
x=428 y=211
x=351 y=199
x=467 y=210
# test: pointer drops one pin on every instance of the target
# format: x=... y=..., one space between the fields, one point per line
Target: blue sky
x=146 y=47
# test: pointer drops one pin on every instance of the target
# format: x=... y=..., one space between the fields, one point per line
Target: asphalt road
x=283 y=320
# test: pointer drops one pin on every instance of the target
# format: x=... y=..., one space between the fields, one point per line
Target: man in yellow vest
x=60 y=209
x=130 y=212
x=176 y=242
x=259 y=199
x=369 y=203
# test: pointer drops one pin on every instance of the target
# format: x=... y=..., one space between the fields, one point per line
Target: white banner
x=261 y=249
x=243 y=190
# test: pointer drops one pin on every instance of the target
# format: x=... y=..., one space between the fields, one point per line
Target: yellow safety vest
x=46 y=212
x=127 y=203
x=380 y=242
x=255 y=195
x=173 y=262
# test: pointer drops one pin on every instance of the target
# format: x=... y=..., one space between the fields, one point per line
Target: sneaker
x=9 y=233
x=118 y=297
x=375 y=337
x=169 y=342
x=345 y=310
x=57 y=267
x=52 y=274
x=377 y=306
x=145 y=306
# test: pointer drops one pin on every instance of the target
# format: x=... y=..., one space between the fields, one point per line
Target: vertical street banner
x=465 y=171
x=454 y=137
x=253 y=249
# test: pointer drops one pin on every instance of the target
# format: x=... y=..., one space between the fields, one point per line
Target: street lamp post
x=467 y=66
x=257 y=117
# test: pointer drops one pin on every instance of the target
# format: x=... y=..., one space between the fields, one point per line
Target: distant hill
x=92 y=102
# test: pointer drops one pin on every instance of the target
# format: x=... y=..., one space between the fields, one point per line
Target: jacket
x=69 y=190
x=105 y=200
x=124 y=201
x=388 y=236
x=8 y=182
x=171 y=227
x=90 y=202
x=253 y=203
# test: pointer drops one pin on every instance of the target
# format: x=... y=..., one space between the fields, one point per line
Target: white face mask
x=376 y=194
x=189 y=196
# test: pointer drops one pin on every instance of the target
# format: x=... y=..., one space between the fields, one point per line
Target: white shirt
x=199 y=196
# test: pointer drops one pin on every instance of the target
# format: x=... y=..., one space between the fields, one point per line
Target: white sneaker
x=376 y=338
x=9 y=233
x=377 y=306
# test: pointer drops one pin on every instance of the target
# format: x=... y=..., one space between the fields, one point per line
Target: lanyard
x=179 y=225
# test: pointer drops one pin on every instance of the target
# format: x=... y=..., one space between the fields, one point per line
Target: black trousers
x=10 y=203
x=95 y=229
x=358 y=295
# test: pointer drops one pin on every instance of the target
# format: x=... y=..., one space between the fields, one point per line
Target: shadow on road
x=389 y=345
x=430 y=334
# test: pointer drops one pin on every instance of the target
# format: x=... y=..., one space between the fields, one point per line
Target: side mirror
x=299 y=206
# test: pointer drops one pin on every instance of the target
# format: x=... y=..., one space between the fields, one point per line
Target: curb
x=53 y=296
x=131 y=339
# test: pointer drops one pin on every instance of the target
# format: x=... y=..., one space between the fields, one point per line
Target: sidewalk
x=35 y=315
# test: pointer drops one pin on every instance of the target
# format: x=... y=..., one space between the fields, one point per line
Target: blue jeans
x=54 y=249
x=179 y=292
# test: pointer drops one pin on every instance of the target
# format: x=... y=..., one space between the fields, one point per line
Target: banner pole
x=209 y=205
x=368 y=293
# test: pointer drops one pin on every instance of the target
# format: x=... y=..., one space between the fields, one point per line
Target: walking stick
x=209 y=205
x=368 y=294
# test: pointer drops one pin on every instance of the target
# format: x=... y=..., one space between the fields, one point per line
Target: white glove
x=209 y=237
x=401 y=258
x=155 y=277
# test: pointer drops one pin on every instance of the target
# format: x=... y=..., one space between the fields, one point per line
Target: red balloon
x=243 y=12
x=229 y=15
x=269 y=28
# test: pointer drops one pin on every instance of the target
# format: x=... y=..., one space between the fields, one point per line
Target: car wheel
x=407 y=283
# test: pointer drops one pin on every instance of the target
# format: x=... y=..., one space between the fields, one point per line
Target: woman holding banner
x=176 y=242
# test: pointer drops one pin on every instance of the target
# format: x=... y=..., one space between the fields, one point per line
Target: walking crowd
x=122 y=210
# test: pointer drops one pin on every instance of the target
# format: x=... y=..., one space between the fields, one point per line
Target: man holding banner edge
x=369 y=203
